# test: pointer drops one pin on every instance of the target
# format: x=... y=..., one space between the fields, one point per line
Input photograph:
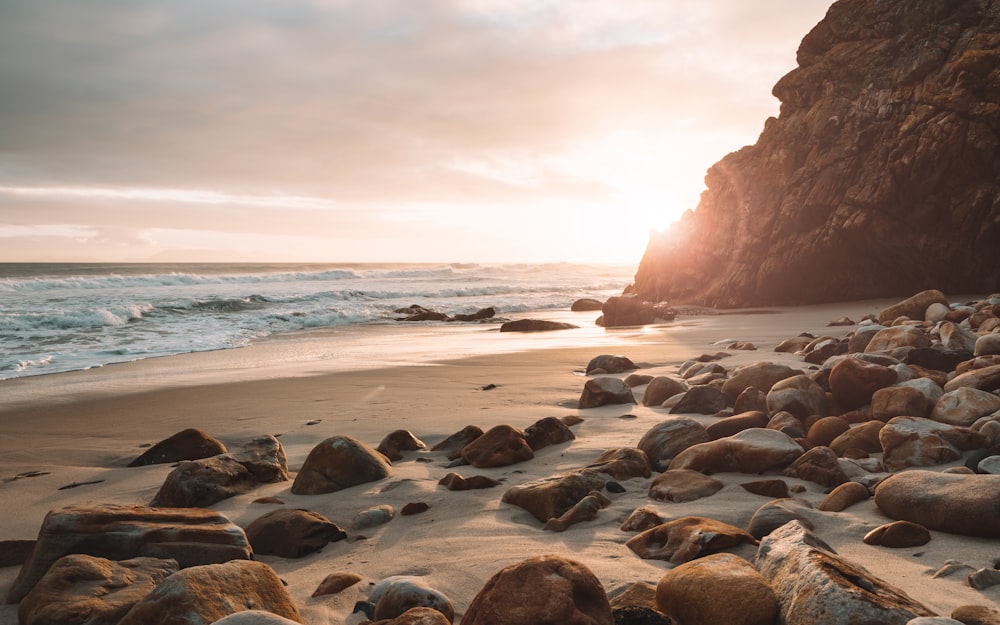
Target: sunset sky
x=374 y=130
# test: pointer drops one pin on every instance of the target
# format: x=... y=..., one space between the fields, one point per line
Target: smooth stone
x=700 y=400
x=373 y=517
x=337 y=463
x=957 y=504
x=976 y=615
x=853 y=381
x=898 y=535
x=914 y=307
x=897 y=336
x=500 y=446
x=201 y=483
x=670 y=437
x=750 y=451
x=189 y=444
x=686 y=538
x=292 y=533
x=660 y=389
x=985 y=379
x=603 y=391
x=640 y=520
x=586 y=509
x=335 y=583
x=622 y=463
x=916 y=442
x=776 y=489
x=264 y=457
x=454 y=481
x=964 y=406
x=681 y=485
x=825 y=430
x=988 y=344
x=547 y=431
x=898 y=401
x=818 y=465
x=798 y=395
x=254 y=617
x=864 y=436
x=610 y=364
x=844 y=496
x=690 y=593
x=395 y=595
x=773 y=515
x=761 y=376
x=395 y=443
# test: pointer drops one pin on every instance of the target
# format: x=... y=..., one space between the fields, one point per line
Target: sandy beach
x=87 y=426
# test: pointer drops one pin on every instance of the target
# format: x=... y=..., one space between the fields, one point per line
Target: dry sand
x=87 y=426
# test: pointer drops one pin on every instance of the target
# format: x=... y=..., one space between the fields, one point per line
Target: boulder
x=628 y=310
x=641 y=519
x=670 y=437
x=191 y=536
x=201 y=595
x=337 y=463
x=786 y=423
x=483 y=313
x=201 y=483
x=916 y=442
x=935 y=358
x=603 y=391
x=976 y=615
x=622 y=463
x=684 y=539
x=547 y=431
x=660 y=389
x=633 y=380
x=914 y=307
x=719 y=588
x=964 y=406
x=898 y=535
x=760 y=375
x=737 y=423
x=773 y=515
x=458 y=440
x=264 y=458
x=292 y=533
x=814 y=586
x=824 y=431
x=395 y=595
x=775 y=489
x=586 y=304
x=610 y=364
x=864 y=437
x=751 y=399
x=701 y=400
x=853 y=381
x=682 y=485
x=395 y=443
x=550 y=497
x=987 y=345
x=944 y=502
x=984 y=379
x=818 y=465
x=536 y=325
x=750 y=451
x=584 y=510
x=900 y=401
x=896 y=337
x=85 y=590
x=544 y=590
x=844 y=496
x=500 y=446
x=797 y=395
x=189 y=444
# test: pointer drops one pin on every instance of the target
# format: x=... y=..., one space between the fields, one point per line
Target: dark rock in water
x=881 y=162
x=633 y=311
x=419 y=313
x=479 y=315
x=535 y=325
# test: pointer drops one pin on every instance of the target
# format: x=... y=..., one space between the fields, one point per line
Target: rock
x=189 y=444
x=773 y=515
x=898 y=401
x=637 y=379
x=917 y=442
x=957 y=504
x=395 y=595
x=641 y=519
x=690 y=593
x=932 y=620
x=914 y=307
x=628 y=310
x=414 y=507
x=954 y=337
x=976 y=615
x=818 y=465
x=201 y=483
x=610 y=364
x=500 y=446
x=373 y=517
x=638 y=615
x=984 y=379
x=989 y=464
x=751 y=399
x=984 y=578
x=825 y=430
x=898 y=535
x=604 y=390
x=584 y=510
x=191 y=536
x=546 y=432
x=395 y=443
x=204 y=594
x=586 y=304
x=737 y=423
x=964 y=406
x=760 y=375
x=988 y=344
x=545 y=590
x=684 y=539
x=335 y=583
x=264 y=458
x=454 y=481
x=417 y=616
x=550 y=497
x=660 y=389
x=815 y=586
x=700 y=400
x=292 y=533
x=419 y=313
x=80 y=589
x=935 y=312
x=797 y=395
x=622 y=463
x=536 y=325
x=483 y=313
x=670 y=437
x=787 y=424
x=682 y=485
x=750 y=451
x=254 y=617
x=896 y=337
x=458 y=440
x=844 y=496
x=337 y=463
x=853 y=381
x=935 y=359
x=864 y=436
x=776 y=489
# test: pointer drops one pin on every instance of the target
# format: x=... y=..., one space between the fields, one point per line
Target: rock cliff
x=880 y=177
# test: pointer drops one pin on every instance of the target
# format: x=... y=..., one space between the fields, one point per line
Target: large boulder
x=701 y=399
x=500 y=446
x=189 y=444
x=759 y=375
x=918 y=442
x=550 y=497
x=191 y=536
x=964 y=406
x=201 y=595
x=660 y=389
x=853 y=381
x=547 y=431
x=751 y=451
x=799 y=396
x=627 y=310
x=670 y=437
x=292 y=533
x=337 y=463
x=719 y=588
x=913 y=307
x=883 y=156
x=84 y=590
x=201 y=483
x=544 y=590
x=945 y=502
x=985 y=379
x=899 y=401
x=605 y=390
x=264 y=458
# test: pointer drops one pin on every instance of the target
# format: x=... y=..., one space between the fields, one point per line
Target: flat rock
x=895 y=337
x=536 y=325
x=335 y=583
x=690 y=593
x=680 y=485
x=189 y=444
x=945 y=502
x=500 y=446
x=373 y=517
x=700 y=400
x=454 y=481
x=750 y=451
x=670 y=437
x=337 y=463
x=684 y=539
x=898 y=401
x=191 y=536
x=728 y=426
x=292 y=533
x=776 y=489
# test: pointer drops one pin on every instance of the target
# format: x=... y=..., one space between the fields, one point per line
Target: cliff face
x=880 y=177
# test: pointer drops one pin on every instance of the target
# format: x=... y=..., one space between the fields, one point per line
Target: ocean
x=67 y=317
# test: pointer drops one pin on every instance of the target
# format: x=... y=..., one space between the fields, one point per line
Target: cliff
x=880 y=177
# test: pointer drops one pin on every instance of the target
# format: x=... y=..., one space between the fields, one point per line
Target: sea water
x=65 y=317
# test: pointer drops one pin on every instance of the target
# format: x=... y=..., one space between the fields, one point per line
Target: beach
x=84 y=427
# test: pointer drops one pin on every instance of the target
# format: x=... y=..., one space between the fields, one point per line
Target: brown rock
x=337 y=463
x=637 y=379
x=458 y=440
x=953 y=503
x=751 y=399
x=786 y=423
x=818 y=465
x=853 y=381
x=660 y=389
x=536 y=325
x=264 y=458
x=547 y=431
x=500 y=446
x=776 y=489
x=546 y=590
x=201 y=483
x=610 y=364
x=623 y=463
x=205 y=594
x=917 y=442
x=641 y=519
x=844 y=496
x=395 y=443
x=895 y=337
x=864 y=436
x=414 y=507
x=628 y=310
x=15 y=552
x=690 y=593
x=761 y=376
x=80 y=589
x=914 y=307
x=638 y=594
x=750 y=451
x=682 y=485
x=603 y=391
x=687 y=538
x=191 y=536
x=700 y=400
x=292 y=533
x=898 y=535
x=964 y=406
x=189 y=444
x=584 y=510
x=825 y=430
x=585 y=304
x=551 y=497
x=454 y=481
x=976 y=615
x=335 y=583
x=393 y=596
x=773 y=515
x=899 y=401
x=417 y=616
x=737 y=423
x=797 y=395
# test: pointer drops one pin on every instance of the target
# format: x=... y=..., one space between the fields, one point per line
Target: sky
x=373 y=130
